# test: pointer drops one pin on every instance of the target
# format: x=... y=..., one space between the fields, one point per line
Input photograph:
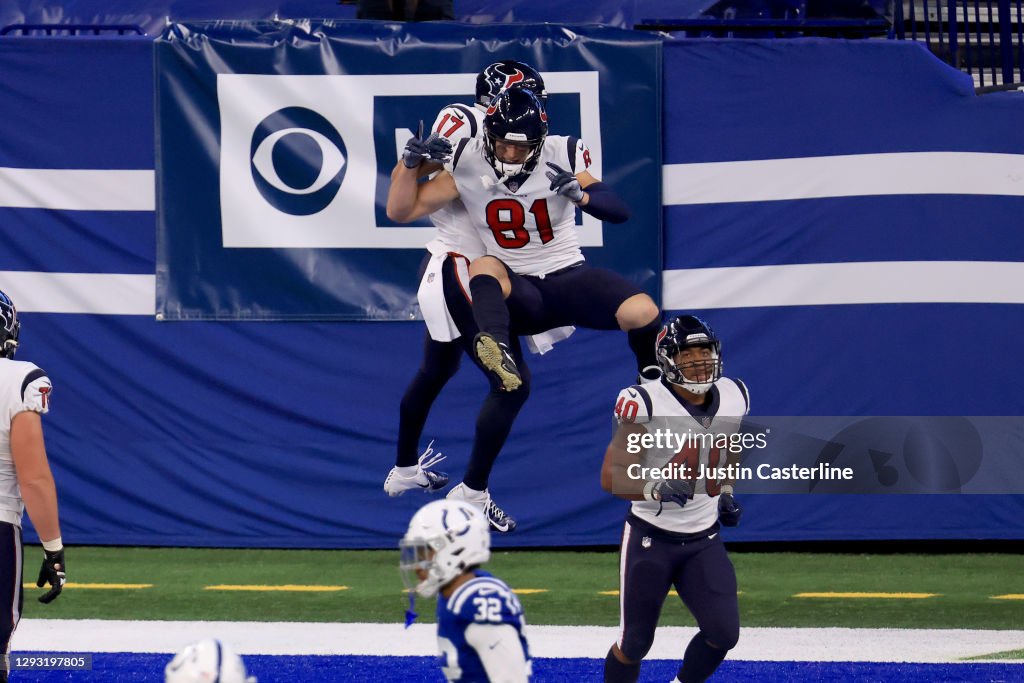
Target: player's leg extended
x=11 y=595
x=601 y=299
x=646 y=564
x=440 y=362
x=707 y=585
x=493 y=424
x=490 y=286
x=640 y=318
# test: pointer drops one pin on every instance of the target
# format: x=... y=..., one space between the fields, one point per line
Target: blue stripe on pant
x=653 y=561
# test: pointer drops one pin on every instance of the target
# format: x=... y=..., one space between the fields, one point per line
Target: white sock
x=474 y=495
x=408 y=472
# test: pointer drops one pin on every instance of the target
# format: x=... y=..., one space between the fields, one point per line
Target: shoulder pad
x=484 y=599
x=35 y=391
x=455 y=122
x=633 y=405
x=579 y=155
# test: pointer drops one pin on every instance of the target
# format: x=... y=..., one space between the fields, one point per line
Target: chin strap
x=410 y=614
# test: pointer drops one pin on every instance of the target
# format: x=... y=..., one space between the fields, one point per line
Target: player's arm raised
x=408 y=199
x=586 y=191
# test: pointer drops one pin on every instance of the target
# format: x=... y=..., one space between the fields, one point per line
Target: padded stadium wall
x=279 y=434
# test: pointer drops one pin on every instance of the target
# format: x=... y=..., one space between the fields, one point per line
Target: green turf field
x=964 y=586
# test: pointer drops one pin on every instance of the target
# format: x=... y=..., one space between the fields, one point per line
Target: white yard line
x=291 y=638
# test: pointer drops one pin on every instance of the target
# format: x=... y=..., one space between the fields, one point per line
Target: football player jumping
x=25 y=478
x=671 y=536
x=442 y=293
x=521 y=187
x=480 y=623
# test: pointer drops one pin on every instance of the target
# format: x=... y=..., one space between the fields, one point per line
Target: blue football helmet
x=683 y=332
x=505 y=75
x=516 y=117
x=10 y=327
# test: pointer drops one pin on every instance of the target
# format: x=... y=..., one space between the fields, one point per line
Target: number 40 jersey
x=480 y=633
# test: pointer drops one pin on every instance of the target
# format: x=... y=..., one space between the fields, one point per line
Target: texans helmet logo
x=516 y=77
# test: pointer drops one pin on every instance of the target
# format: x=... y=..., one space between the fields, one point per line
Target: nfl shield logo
x=430 y=277
x=646 y=541
x=706 y=421
x=513 y=185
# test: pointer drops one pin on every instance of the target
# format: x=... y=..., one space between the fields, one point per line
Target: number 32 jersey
x=528 y=226
x=483 y=620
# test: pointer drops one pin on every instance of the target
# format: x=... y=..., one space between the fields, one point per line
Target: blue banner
x=276 y=144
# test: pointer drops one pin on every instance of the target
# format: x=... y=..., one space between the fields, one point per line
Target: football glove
x=677 y=491
x=52 y=572
x=564 y=183
x=419 y=149
x=729 y=511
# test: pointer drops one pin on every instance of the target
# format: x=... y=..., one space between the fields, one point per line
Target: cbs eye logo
x=298 y=161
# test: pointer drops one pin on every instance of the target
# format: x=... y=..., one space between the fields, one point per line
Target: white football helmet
x=444 y=538
x=207 y=661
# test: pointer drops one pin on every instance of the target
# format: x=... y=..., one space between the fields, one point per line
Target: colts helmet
x=445 y=538
x=683 y=332
x=515 y=116
x=9 y=327
x=207 y=661
x=506 y=75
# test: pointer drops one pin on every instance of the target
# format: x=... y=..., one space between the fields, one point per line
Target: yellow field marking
x=1009 y=596
x=285 y=588
x=670 y=592
x=529 y=591
x=100 y=586
x=891 y=596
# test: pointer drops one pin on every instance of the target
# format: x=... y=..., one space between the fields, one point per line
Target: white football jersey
x=656 y=407
x=456 y=122
x=529 y=227
x=23 y=386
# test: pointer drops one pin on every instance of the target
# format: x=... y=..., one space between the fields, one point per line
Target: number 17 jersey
x=522 y=221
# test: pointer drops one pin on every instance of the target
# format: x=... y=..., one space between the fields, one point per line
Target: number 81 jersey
x=522 y=221
x=482 y=620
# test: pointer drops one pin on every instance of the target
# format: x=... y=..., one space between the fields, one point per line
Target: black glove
x=52 y=572
x=418 y=150
x=729 y=511
x=564 y=183
x=676 y=491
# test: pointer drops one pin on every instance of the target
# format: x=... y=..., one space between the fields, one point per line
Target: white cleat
x=422 y=479
x=497 y=518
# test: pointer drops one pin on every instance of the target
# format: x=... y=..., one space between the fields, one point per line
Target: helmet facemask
x=696 y=375
x=507 y=169
x=420 y=573
x=445 y=539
